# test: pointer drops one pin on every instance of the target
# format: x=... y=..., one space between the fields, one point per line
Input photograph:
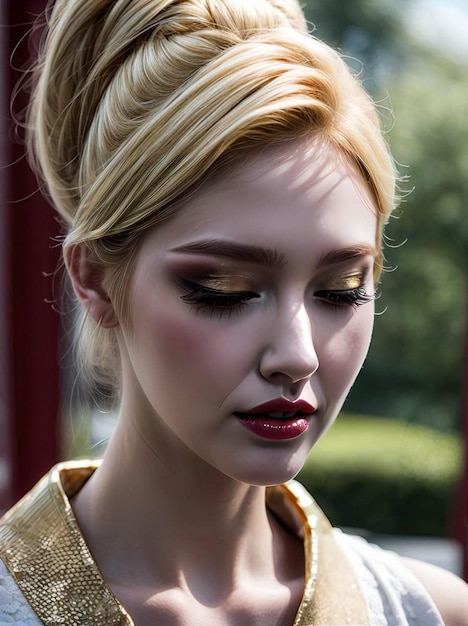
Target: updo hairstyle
x=137 y=102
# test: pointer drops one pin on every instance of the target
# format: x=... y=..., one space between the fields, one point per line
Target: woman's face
x=258 y=291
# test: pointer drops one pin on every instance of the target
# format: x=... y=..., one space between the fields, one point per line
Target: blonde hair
x=137 y=102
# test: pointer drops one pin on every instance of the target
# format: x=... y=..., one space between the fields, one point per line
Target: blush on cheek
x=191 y=350
x=174 y=337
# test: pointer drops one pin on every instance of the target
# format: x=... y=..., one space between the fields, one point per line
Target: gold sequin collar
x=45 y=552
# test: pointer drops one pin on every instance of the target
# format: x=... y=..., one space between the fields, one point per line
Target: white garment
x=393 y=595
x=14 y=608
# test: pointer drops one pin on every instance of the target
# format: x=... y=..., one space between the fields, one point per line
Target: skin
x=449 y=592
x=176 y=516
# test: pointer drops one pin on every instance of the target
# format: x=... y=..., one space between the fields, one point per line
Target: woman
x=224 y=185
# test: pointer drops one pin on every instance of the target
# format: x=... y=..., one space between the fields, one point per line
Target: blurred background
x=394 y=461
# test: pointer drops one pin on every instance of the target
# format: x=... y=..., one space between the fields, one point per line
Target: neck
x=150 y=504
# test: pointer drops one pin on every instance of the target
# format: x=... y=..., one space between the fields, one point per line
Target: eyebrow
x=347 y=254
x=268 y=257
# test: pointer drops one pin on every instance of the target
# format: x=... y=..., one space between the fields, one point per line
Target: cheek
x=193 y=352
x=346 y=349
x=185 y=345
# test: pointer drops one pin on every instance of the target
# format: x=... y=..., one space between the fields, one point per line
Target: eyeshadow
x=226 y=282
x=348 y=281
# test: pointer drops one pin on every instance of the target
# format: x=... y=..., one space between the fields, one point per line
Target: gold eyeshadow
x=229 y=282
x=347 y=282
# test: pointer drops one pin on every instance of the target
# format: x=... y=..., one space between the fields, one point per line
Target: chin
x=267 y=474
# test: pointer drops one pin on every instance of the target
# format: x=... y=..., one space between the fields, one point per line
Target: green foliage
x=385 y=476
x=368 y=30
x=415 y=365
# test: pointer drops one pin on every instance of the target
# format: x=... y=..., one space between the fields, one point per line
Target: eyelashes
x=345 y=297
x=214 y=300
x=222 y=302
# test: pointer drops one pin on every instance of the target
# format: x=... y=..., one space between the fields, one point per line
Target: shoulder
x=449 y=593
x=393 y=593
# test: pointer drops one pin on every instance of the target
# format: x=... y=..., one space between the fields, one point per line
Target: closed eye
x=207 y=298
x=345 y=297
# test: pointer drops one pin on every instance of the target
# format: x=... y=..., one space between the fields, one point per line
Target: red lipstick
x=278 y=419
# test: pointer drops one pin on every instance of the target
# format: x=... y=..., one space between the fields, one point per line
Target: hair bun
x=90 y=41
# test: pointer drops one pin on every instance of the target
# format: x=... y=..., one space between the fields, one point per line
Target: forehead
x=303 y=193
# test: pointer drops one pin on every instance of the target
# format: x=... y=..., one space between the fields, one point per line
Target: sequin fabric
x=332 y=595
x=42 y=547
x=47 y=556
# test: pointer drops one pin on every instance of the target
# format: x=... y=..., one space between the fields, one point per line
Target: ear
x=87 y=280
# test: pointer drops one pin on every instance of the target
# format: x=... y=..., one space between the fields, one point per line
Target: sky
x=444 y=23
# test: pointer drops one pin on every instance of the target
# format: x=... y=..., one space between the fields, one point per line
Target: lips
x=280 y=408
x=277 y=419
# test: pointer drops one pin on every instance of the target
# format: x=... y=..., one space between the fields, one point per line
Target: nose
x=290 y=357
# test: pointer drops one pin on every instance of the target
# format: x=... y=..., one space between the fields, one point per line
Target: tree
x=415 y=366
x=370 y=32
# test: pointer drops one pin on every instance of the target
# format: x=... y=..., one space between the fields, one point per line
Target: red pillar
x=30 y=384
x=5 y=434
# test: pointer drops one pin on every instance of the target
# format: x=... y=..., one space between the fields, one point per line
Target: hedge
x=385 y=476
